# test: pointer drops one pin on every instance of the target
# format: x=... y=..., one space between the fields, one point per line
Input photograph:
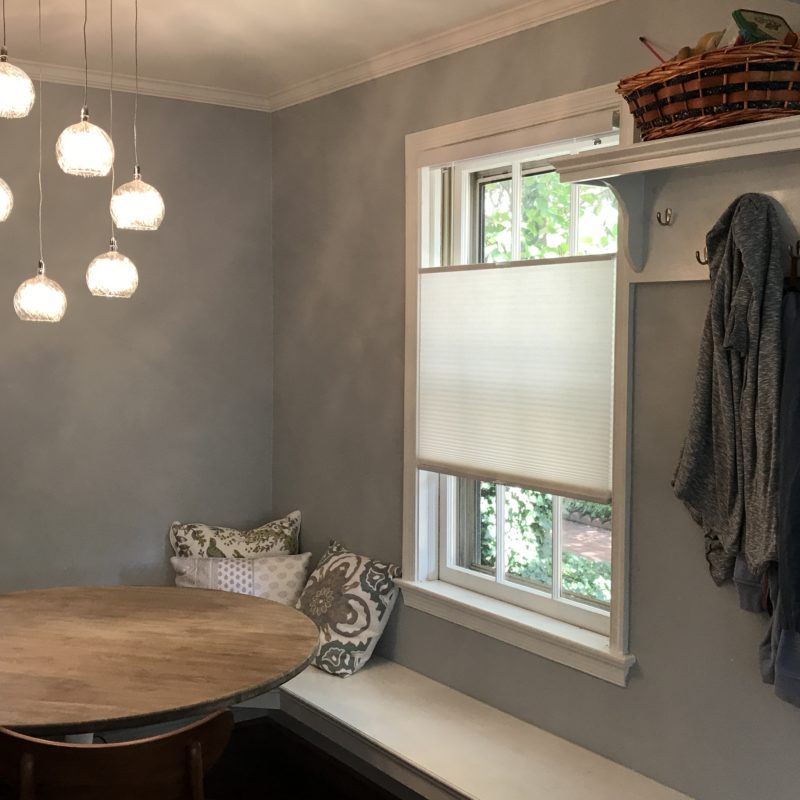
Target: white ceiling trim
x=488 y=29
x=73 y=76
x=505 y=23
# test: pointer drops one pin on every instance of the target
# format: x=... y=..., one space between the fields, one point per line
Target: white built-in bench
x=443 y=744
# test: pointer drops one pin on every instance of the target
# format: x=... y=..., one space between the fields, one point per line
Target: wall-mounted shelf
x=756 y=138
x=624 y=168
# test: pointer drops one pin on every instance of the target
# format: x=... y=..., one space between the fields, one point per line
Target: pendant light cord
x=136 y=74
x=41 y=104
x=85 y=54
x=4 y=23
x=111 y=103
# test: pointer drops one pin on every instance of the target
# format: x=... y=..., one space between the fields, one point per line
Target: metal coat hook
x=666 y=219
x=704 y=260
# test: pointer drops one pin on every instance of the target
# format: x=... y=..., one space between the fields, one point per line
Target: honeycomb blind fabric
x=515 y=379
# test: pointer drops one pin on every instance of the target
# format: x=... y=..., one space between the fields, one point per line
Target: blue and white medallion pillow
x=350 y=598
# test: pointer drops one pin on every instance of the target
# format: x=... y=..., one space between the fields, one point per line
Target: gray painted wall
x=695 y=715
x=130 y=414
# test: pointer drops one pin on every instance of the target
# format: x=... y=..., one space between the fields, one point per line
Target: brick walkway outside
x=586 y=540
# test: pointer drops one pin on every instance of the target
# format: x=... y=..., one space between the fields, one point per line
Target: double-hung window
x=512 y=372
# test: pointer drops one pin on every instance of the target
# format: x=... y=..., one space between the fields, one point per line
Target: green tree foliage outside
x=597 y=511
x=546 y=210
x=529 y=542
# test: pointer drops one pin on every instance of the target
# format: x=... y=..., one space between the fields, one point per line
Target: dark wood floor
x=266 y=760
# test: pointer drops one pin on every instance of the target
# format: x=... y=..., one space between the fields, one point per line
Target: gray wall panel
x=696 y=715
x=129 y=414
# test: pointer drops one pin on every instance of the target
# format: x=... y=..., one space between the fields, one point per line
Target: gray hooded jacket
x=727 y=473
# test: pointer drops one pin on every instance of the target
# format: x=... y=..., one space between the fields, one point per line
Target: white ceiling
x=264 y=53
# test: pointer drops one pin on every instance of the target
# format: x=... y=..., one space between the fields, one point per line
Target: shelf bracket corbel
x=633 y=218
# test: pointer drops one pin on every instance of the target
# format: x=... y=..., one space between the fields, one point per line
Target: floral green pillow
x=350 y=598
x=278 y=538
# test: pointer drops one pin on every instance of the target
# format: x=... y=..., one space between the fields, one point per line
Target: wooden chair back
x=166 y=767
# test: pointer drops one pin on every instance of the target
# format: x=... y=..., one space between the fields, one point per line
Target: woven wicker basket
x=719 y=88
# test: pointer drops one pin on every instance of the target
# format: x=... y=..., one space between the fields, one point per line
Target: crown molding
x=488 y=29
x=497 y=26
x=174 y=90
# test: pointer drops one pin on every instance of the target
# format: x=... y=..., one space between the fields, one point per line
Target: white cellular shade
x=516 y=375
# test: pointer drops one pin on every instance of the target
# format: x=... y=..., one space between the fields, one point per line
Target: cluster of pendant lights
x=85 y=150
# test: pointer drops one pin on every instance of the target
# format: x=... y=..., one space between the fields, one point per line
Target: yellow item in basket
x=708 y=41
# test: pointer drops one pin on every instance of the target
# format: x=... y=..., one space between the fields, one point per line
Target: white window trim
x=605 y=657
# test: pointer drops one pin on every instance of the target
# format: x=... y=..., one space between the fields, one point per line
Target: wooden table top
x=74 y=660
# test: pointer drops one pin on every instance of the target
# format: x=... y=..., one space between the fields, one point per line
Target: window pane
x=495 y=209
x=597 y=221
x=476 y=540
x=586 y=551
x=544 y=226
x=529 y=535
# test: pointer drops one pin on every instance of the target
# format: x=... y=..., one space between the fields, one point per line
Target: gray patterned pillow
x=350 y=598
x=277 y=538
x=278 y=578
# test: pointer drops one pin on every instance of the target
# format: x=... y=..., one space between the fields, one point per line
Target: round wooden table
x=74 y=660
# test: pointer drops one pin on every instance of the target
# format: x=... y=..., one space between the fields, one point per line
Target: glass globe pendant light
x=6 y=200
x=17 y=94
x=112 y=274
x=40 y=299
x=84 y=148
x=16 y=90
x=136 y=205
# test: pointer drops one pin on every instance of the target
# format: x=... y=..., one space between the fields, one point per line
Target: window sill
x=558 y=641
